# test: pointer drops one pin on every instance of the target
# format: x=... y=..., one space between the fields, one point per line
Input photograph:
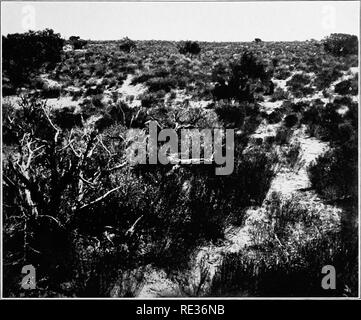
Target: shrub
x=340 y=44
x=289 y=248
x=292 y=154
x=50 y=93
x=282 y=73
x=280 y=94
x=27 y=52
x=66 y=118
x=291 y=120
x=276 y=272
x=97 y=101
x=326 y=76
x=232 y=114
x=127 y=45
x=275 y=116
x=334 y=174
x=148 y=100
x=347 y=87
x=191 y=47
x=299 y=84
x=77 y=43
x=157 y=84
x=242 y=82
x=283 y=136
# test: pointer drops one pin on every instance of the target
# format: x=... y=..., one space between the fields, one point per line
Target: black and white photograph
x=183 y=150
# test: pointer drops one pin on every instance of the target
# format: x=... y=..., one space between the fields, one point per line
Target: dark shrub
x=282 y=73
x=299 y=106
x=347 y=87
x=231 y=114
x=334 y=175
x=340 y=44
x=66 y=118
x=166 y=84
x=8 y=89
x=299 y=84
x=127 y=45
x=77 y=43
x=148 y=100
x=269 y=272
x=250 y=66
x=50 y=93
x=284 y=262
x=97 y=101
x=27 y=52
x=279 y=94
x=283 y=136
x=291 y=120
x=191 y=47
x=104 y=122
x=275 y=116
x=247 y=76
x=326 y=76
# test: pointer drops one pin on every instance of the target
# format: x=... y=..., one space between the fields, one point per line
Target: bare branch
x=51 y=218
x=119 y=166
x=130 y=231
x=52 y=124
x=101 y=198
x=102 y=144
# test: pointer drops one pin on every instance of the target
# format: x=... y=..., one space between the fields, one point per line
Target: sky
x=203 y=21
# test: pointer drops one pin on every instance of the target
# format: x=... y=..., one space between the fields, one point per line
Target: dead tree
x=55 y=173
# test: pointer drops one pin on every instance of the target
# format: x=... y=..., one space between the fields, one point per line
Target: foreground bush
x=290 y=246
x=275 y=272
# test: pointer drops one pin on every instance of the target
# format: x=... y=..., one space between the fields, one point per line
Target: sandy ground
x=130 y=93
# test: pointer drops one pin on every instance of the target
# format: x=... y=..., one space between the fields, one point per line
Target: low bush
x=299 y=85
x=77 y=43
x=280 y=94
x=334 y=174
x=283 y=136
x=231 y=114
x=275 y=116
x=127 y=45
x=191 y=47
x=290 y=120
x=347 y=87
x=65 y=118
x=289 y=250
x=326 y=76
x=245 y=77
